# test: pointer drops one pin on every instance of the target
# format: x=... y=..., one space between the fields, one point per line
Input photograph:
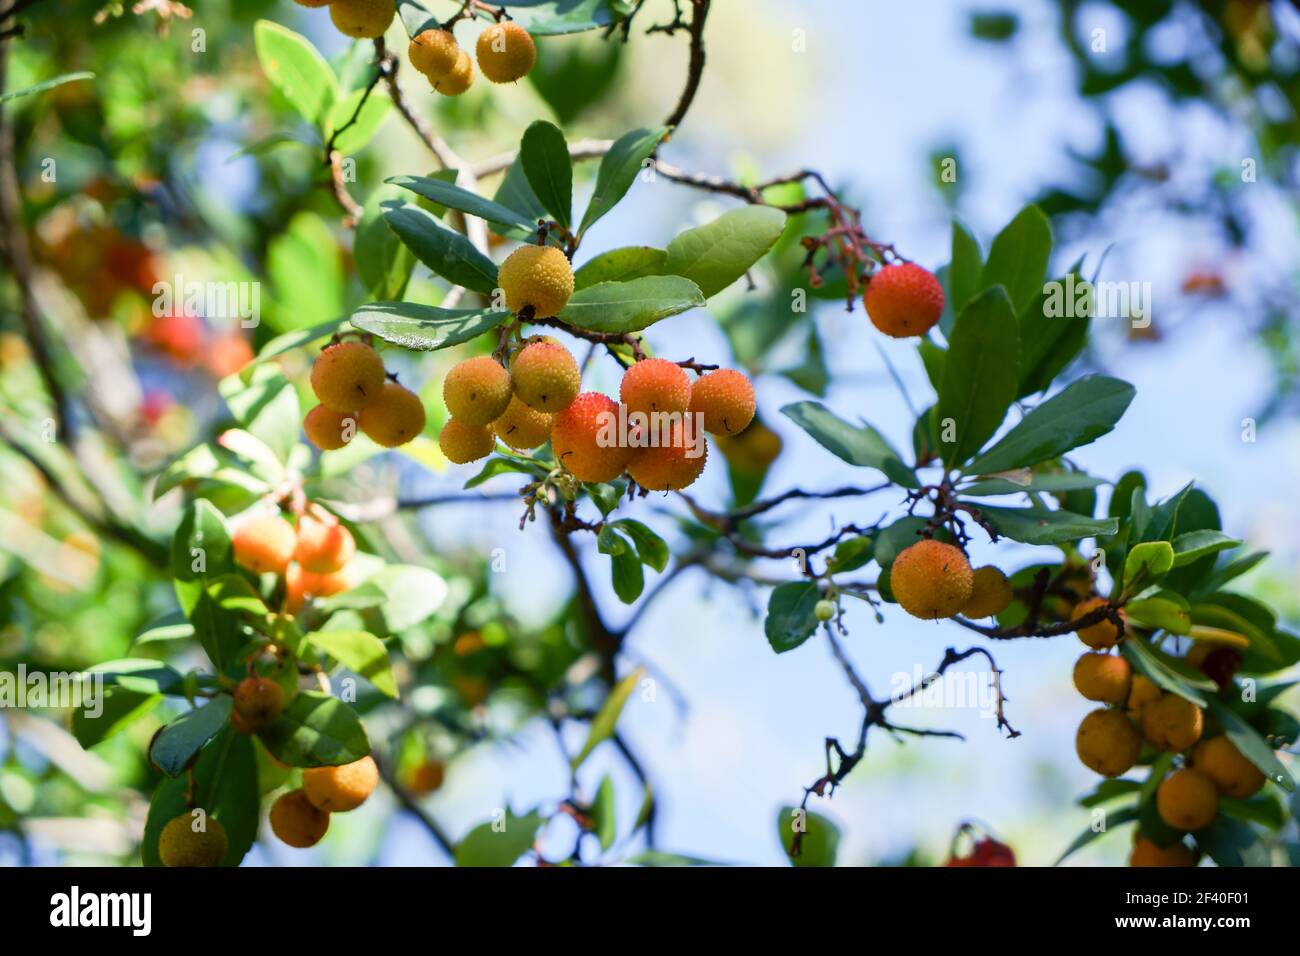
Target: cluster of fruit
x=505 y=54
x=355 y=392
x=932 y=580
x=315 y=557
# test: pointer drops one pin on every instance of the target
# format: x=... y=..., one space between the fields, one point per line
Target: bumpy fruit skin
x=395 y=417
x=462 y=443
x=1103 y=677
x=297 y=821
x=1107 y=743
x=339 y=789
x=1101 y=635
x=264 y=544
x=536 y=277
x=324 y=545
x=545 y=377
x=669 y=467
x=753 y=450
x=329 y=430
x=655 y=385
x=1146 y=853
x=477 y=391
x=1172 y=723
x=459 y=79
x=585 y=441
x=522 y=427
x=426 y=777
x=258 y=700
x=434 y=53
x=348 y=376
x=931 y=579
x=1187 y=800
x=180 y=845
x=1234 y=776
x=300 y=585
x=726 y=400
x=904 y=300
x=364 y=19
x=1144 y=692
x=505 y=52
x=990 y=593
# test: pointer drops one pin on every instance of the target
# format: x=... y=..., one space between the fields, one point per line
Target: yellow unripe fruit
x=1234 y=776
x=462 y=443
x=1107 y=743
x=1102 y=634
x=425 y=778
x=459 y=79
x=545 y=377
x=655 y=385
x=297 y=821
x=364 y=19
x=1172 y=723
x=180 y=844
x=324 y=545
x=585 y=439
x=477 y=391
x=538 y=278
x=669 y=467
x=258 y=701
x=990 y=593
x=339 y=789
x=931 y=579
x=329 y=430
x=1146 y=853
x=394 y=418
x=264 y=544
x=434 y=53
x=752 y=450
x=348 y=376
x=522 y=427
x=300 y=585
x=1144 y=692
x=505 y=52
x=726 y=400
x=1103 y=677
x=1187 y=800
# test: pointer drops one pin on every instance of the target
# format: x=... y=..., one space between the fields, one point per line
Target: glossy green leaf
x=619 y=169
x=296 y=69
x=715 y=255
x=620 y=265
x=316 y=730
x=1041 y=526
x=177 y=743
x=1018 y=258
x=857 y=444
x=607 y=717
x=454 y=197
x=447 y=253
x=545 y=158
x=790 y=620
x=617 y=307
x=425 y=328
x=362 y=653
x=977 y=389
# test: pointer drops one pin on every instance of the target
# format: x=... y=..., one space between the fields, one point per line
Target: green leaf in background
x=266 y=405
x=660 y=858
x=1192 y=545
x=1018 y=258
x=499 y=843
x=1114 y=819
x=447 y=253
x=316 y=730
x=425 y=328
x=790 y=620
x=400 y=596
x=650 y=548
x=715 y=255
x=1146 y=564
x=857 y=444
x=1165 y=673
x=545 y=158
x=1252 y=746
x=1230 y=842
x=820 y=841
x=626 y=573
x=544 y=18
x=201 y=552
x=370 y=116
x=620 y=265
x=383 y=264
x=1049 y=342
x=454 y=197
x=118 y=709
x=606 y=719
x=977 y=389
x=1078 y=415
x=603 y=813
x=618 y=170
x=138 y=674
x=572 y=77
x=964 y=271
x=306 y=274
x=296 y=69
x=630 y=306
x=178 y=742
x=1042 y=526
x=46 y=85
x=361 y=653
x=515 y=194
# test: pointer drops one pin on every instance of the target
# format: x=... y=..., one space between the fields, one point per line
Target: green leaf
x=1159 y=613
x=606 y=719
x=1252 y=746
x=201 y=552
x=267 y=406
x=46 y=85
x=850 y=554
x=1041 y=526
x=425 y=328
x=545 y=158
x=857 y=444
x=1052 y=483
x=178 y=742
x=383 y=264
x=1265 y=810
x=1113 y=819
x=296 y=69
x=1230 y=842
x=119 y=708
x=500 y=466
x=820 y=841
x=979 y=383
x=790 y=620
x=618 y=170
x=1146 y=564
x=660 y=858
x=138 y=674
x=361 y=653
x=1196 y=544
x=454 y=197
x=316 y=730
x=370 y=116
x=499 y=843
x=620 y=265
x=617 y=307
x=964 y=270
x=1078 y=415
x=650 y=548
x=403 y=595
x=1164 y=672
x=603 y=813
x=447 y=253
x=1111 y=789
x=1018 y=258
x=1052 y=332
x=715 y=255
